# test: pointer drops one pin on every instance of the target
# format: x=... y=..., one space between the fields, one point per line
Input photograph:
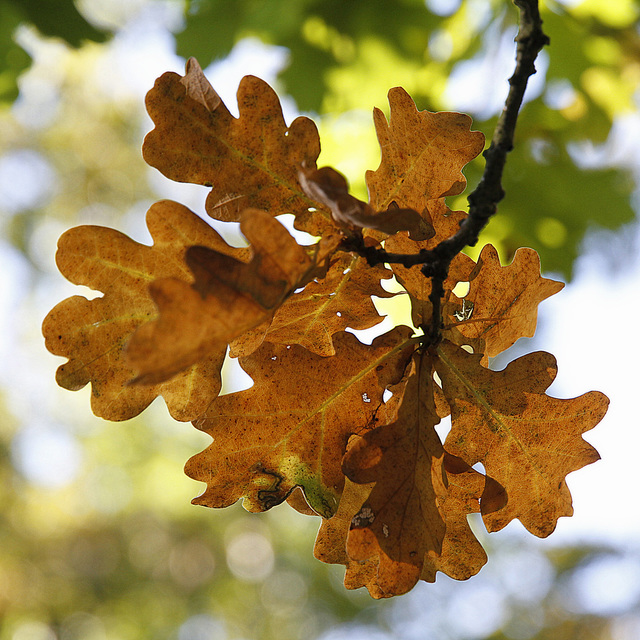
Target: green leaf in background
x=53 y=18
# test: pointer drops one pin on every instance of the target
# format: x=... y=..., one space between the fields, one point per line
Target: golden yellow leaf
x=283 y=433
x=93 y=333
x=527 y=441
x=422 y=155
x=249 y=162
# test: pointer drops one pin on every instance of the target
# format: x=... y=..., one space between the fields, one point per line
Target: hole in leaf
x=461 y=289
x=479 y=467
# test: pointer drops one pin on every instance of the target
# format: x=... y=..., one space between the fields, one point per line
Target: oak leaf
x=527 y=441
x=275 y=436
x=502 y=303
x=412 y=521
x=325 y=307
x=249 y=162
x=422 y=155
x=227 y=298
x=400 y=522
x=328 y=186
x=92 y=333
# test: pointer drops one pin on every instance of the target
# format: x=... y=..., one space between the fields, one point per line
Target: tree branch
x=484 y=199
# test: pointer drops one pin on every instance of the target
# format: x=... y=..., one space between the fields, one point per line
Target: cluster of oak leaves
x=336 y=427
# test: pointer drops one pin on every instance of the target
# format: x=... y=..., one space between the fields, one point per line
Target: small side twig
x=484 y=199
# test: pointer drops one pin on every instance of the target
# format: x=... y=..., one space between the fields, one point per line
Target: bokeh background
x=98 y=539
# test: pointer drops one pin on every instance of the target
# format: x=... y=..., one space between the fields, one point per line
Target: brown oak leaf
x=401 y=521
x=282 y=432
x=527 y=441
x=326 y=306
x=227 y=298
x=422 y=155
x=249 y=162
x=93 y=333
x=502 y=303
x=462 y=556
x=328 y=186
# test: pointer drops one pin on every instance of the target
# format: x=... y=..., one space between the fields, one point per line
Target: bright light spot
x=461 y=289
x=607 y=586
x=234 y=378
x=476 y=611
x=202 y=627
x=443 y=427
x=302 y=237
x=443 y=7
x=526 y=574
x=559 y=94
x=551 y=232
x=250 y=556
x=46 y=456
x=26 y=180
x=441 y=45
x=33 y=631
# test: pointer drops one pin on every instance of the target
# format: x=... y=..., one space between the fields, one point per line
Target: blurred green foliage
x=54 y=18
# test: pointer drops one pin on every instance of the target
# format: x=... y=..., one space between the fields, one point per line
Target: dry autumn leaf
x=250 y=161
x=272 y=437
x=227 y=298
x=400 y=522
x=328 y=186
x=327 y=306
x=422 y=155
x=526 y=440
x=93 y=333
x=502 y=303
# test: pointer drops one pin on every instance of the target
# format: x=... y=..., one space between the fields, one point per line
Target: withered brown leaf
x=527 y=441
x=328 y=186
x=93 y=333
x=227 y=298
x=400 y=522
x=325 y=307
x=275 y=436
x=422 y=154
x=250 y=161
x=502 y=303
